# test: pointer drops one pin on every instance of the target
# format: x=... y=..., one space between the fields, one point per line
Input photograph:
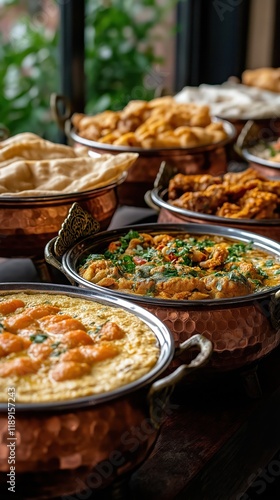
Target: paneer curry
x=57 y=347
x=182 y=266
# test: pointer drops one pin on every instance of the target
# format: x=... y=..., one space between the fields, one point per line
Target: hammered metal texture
x=74 y=446
x=26 y=227
x=240 y=334
x=142 y=173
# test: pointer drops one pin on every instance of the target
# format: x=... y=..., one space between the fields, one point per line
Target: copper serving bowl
x=242 y=329
x=171 y=213
x=28 y=223
x=210 y=158
x=86 y=443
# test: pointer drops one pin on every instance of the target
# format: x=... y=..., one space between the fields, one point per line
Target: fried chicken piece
x=232 y=178
x=258 y=205
x=230 y=210
x=206 y=202
x=181 y=183
x=217 y=258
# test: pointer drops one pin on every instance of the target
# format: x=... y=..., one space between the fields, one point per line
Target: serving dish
x=158 y=199
x=242 y=329
x=264 y=165
x=28 y=223
x=207 y=158
x=255 y=136
x=64 y=447
x=211 y=158
x=269 y=228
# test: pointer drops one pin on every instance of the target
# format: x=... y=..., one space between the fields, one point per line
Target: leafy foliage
x=119 y=62
x=28 y=74
x=120 y=51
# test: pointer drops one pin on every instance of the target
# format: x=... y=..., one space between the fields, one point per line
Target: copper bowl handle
x=57 y=103
x=161 y=390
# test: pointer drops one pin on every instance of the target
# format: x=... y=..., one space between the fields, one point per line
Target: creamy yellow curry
x=55 y=347
x=182 y=266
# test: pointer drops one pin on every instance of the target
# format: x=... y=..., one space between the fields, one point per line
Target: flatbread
x=31 y=166
x=62 y=175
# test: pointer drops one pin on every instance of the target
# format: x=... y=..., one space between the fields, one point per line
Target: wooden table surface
x=221 y=436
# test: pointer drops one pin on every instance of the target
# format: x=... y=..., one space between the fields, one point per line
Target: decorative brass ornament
x=78 y=224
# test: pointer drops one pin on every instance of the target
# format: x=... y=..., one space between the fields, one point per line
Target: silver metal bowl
x=269 y=228
x=242 y=329
x=63 y=447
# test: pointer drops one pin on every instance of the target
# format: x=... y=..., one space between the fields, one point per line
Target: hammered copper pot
x=242 y=329
x=210 y=159
x=83 y=444
x=158 y=199
x=27 y=224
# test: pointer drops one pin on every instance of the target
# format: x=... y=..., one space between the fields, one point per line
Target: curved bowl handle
x=161 y=390
x=149 y=201
x=205 y=349
x=51 y=259
x=57 y=103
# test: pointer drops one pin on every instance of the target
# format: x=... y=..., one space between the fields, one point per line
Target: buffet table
x=221 y=436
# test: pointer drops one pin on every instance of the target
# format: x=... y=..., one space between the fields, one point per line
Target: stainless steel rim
x=71 y=258
x=260 y=161
x=229 y=127
x=158 y=194
x=164 y=337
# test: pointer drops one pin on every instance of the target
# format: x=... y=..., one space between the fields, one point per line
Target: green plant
x=120 y=51
x=120 y=59
x=28 y=75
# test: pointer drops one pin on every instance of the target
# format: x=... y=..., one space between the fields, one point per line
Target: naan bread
x=62 y=175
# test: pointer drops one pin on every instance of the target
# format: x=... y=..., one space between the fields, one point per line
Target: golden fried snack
x=245 y=195
x=159 y=123
x=182 y=183
x=263 y=78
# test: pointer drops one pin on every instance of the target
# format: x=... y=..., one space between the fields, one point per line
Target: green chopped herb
x=39 y=338
x=269 y=263
x=125 y=264
x=236 y=250
x=170 y=271
x=55 y=344
x=262 y=273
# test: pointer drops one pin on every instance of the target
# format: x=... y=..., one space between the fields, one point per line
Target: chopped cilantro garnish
x=125 y=264
x=170 y=271
x=236 y=250
x=38 y=338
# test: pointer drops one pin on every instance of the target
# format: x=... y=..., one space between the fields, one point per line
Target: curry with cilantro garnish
x=183 y=266
x=56 y=347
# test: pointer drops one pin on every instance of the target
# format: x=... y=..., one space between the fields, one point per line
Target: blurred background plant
x=28 y=69
x=122 y=57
